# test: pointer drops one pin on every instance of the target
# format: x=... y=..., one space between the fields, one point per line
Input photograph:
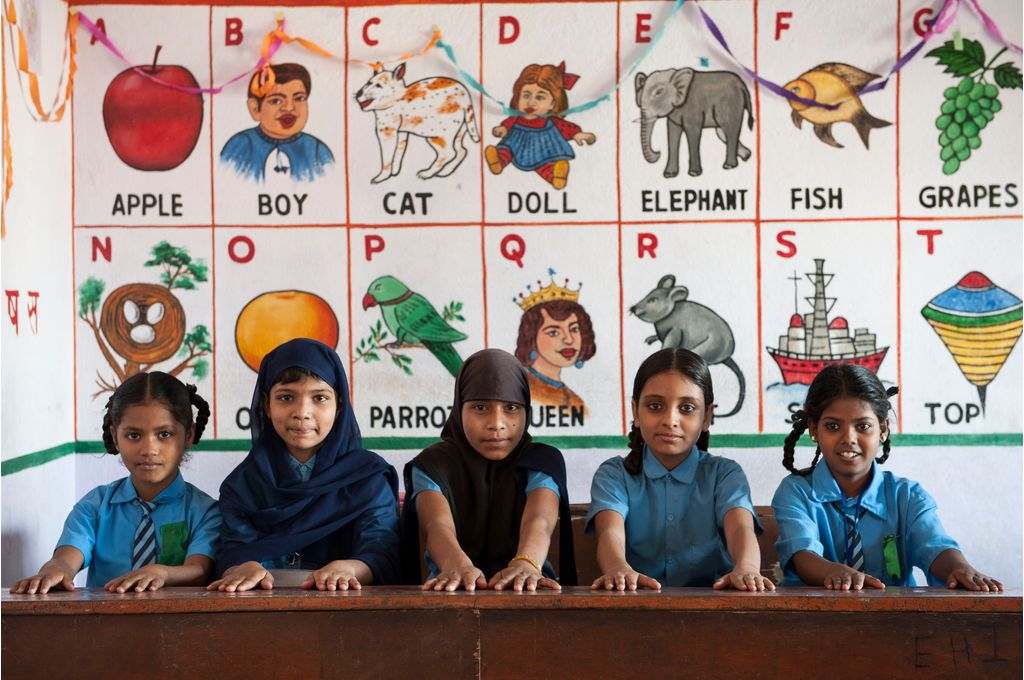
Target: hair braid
x=109 y=443
x=202 y=412
x=789 y=447
x=635 y=458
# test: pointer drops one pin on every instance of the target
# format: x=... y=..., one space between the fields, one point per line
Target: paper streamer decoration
x=979 y=323
x=60 y=98
x=585 y=106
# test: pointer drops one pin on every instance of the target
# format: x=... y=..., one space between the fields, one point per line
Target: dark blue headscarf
x=287 y=513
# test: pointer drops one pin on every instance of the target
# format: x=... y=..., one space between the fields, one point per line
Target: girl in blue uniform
x=846 y=524
x=308 y=496
x=669 y=512
x=149 y=529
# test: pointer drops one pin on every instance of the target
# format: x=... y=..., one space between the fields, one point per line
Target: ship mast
x=819 y=345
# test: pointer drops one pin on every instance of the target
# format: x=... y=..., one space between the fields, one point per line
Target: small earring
x=579 y=363
x=533 y=354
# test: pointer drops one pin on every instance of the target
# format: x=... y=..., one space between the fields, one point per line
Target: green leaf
x=89 y=294
x=199 y=271
x=185 y=283
x=960 y=62
x=1007 y=76
x=460 y=317
x=201 y=369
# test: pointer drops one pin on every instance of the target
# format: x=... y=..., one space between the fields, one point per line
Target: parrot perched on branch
x=413 y=320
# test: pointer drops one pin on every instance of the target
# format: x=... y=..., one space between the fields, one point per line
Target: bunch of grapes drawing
x=970 y=105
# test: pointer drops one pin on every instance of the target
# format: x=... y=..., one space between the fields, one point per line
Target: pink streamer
x=101 y=37
x=991 y=27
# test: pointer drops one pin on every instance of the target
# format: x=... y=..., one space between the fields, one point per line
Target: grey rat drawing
x=679 y=322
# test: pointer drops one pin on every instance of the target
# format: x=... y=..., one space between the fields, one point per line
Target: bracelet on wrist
x=525 y=558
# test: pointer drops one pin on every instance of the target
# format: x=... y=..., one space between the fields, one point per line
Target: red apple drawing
x=151 y=126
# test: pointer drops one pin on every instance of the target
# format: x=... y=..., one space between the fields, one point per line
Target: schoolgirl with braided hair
x=670 y=512
x=151 y=528
x=845 y=524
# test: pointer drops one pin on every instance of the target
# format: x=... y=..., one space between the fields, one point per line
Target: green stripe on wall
x=726 y=441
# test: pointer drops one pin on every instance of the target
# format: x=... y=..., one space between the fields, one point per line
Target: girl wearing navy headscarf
x=308 y=496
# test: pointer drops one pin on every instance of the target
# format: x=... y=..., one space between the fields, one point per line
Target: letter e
x=643 y=27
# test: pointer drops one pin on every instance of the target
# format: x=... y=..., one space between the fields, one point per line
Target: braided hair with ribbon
x=835 y=382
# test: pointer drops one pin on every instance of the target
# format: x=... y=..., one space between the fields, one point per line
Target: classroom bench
x=386 y=632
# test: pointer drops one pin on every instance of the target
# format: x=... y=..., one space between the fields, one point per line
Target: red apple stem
x=156 y=55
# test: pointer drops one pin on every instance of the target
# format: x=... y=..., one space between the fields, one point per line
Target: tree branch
x=107 y=354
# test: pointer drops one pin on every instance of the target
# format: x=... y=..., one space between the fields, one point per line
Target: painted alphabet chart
x=579 y=183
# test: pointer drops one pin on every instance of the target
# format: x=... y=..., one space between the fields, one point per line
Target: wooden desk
x=401 y=632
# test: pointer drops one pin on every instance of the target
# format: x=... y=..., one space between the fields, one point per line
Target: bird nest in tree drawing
x=140 y=325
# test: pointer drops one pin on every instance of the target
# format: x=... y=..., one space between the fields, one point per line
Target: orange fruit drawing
x=272 y=318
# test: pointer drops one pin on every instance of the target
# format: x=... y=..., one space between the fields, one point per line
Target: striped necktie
x=144 y=545
x=854 y=547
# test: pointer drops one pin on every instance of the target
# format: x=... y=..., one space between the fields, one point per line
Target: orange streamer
x=40 y=113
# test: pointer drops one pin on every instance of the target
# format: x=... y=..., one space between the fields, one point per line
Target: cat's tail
x=474 y=134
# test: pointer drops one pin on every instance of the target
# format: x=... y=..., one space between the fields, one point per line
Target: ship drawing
x=813 y=342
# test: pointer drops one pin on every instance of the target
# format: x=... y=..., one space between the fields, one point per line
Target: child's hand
x=468 y=576
x=744 y=579
x=971 y=579
x=50 y=576
x=624 y=578
x=582 y=138
x=522 y=576
x=243 y=577
x=847 y=578
x=149 y=577
x=499 y=131
x=336 y=575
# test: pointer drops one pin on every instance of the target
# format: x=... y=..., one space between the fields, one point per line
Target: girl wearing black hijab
x=487 y=496
x=308 y=496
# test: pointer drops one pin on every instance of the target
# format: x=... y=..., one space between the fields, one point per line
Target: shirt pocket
x=173 y=543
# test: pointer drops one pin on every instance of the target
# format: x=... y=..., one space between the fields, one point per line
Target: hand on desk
x=149 y=577
x=971 y=579
x=243 y=577
x=336 y=575
x=848 y=578
x=50 y=576
x=466 y=575
x=624 y=578
x=522 y=576
x=744 y=579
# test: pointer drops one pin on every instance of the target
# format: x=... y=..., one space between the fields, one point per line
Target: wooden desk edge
x=195 y=600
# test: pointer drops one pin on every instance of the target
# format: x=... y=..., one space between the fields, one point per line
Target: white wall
x=37 y=369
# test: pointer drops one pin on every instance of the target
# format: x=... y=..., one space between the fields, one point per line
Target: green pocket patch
x=173 y=541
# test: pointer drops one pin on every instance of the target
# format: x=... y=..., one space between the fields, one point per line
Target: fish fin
x=851 y=75
x=864 y=122
x=824 y=133
x=797 y=119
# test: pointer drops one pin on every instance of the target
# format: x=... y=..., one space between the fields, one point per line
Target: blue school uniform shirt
x=102 y=526
x=674 y=519
x=375 y=529
x=889 y=506
x=421 y=481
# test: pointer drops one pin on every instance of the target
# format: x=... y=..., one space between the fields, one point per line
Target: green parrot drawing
x=413 y=320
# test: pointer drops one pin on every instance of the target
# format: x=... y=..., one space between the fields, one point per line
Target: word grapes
x=966 y=110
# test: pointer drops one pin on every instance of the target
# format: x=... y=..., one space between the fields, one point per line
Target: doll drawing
x=538 y=138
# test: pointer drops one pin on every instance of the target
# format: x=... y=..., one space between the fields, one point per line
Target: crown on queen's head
x=549 y=293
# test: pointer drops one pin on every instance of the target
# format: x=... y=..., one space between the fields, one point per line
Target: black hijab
x=487 y=497
x=287 y=513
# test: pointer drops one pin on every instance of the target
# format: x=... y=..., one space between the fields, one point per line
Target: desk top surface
x=196 y=600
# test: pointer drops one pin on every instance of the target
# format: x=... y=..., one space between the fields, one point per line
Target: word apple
x=151 y=124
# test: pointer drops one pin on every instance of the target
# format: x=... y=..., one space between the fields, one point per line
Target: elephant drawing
x=691 y=101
